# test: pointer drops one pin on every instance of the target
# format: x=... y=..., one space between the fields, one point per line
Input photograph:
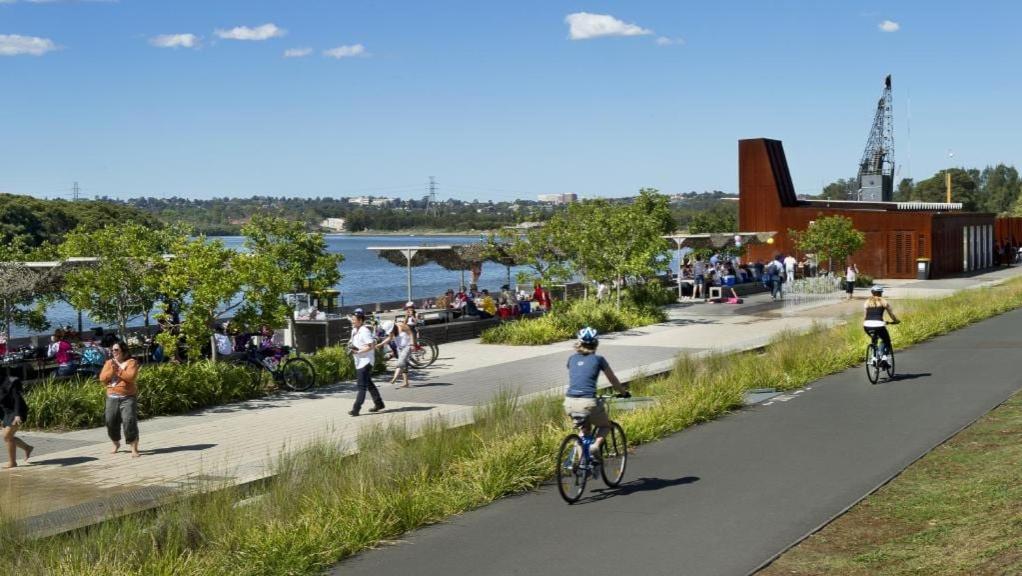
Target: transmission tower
x=75 y=191
x=876 y=169
x=431 y=206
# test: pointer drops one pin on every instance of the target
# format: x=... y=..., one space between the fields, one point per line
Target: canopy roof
x=720 y=240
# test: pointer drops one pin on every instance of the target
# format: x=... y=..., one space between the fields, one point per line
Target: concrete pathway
x=73 y=480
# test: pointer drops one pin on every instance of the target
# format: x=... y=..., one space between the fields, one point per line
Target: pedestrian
x=14 y=411
x=699 y=274
x=851 y=275
x=61 y=351
x=363 y=347
x=789 y=267
x=402 y=335
x=119 y=374
x=772 y=277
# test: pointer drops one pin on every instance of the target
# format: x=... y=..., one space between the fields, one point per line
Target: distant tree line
x=995 y=189
x=33 y=222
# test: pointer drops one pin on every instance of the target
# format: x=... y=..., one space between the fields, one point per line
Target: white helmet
x=588 y=335
x=387 y=326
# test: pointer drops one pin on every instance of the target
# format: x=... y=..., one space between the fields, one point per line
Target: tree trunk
x=619 y=282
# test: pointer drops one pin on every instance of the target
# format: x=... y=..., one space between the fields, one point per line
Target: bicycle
x=423 y=355
x=575 y=464
x=874 y=358
x=291 y=371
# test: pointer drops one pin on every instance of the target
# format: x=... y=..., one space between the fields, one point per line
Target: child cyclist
x=584 y=367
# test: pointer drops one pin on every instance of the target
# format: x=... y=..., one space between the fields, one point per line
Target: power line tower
x=76 y=191
x=431 y=205
x=876 y=169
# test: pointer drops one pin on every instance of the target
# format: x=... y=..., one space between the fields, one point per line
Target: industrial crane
x=876 y=169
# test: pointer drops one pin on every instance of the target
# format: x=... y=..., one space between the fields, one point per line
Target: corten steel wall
x=894 y=240
x=1008 y=230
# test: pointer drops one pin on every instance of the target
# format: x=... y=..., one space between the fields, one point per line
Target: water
x=366 y=279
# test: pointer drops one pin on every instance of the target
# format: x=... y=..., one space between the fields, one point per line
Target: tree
x=633 y=238
x=721 y=218
x=830 y=238
x=537 y=248
x=124 y=280
x=22 y=290
x=202 y=278
x=963 y=188
x=904 y=191
x=281 y=258
x=841 y=189
x=999 y=187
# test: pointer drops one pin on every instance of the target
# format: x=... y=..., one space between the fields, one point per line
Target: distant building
x=371 y=201
x=335 y=224
x=558 y=198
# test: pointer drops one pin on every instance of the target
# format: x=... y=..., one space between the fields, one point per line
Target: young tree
x=633 y=238
x=281 y=258
x=124 y=280
x=831 y=238
x=23 y=290
x=537 y=248
x=203 y=278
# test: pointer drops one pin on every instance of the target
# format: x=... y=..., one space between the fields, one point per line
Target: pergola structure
x=413 y=257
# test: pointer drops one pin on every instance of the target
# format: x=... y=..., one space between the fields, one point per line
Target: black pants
x=883 y=334
x=364 y=377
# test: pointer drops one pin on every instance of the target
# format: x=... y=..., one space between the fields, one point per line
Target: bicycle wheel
x=259 y=376
x=890 y=364
x=872 y=364
x=298 y=374
x=571 y=476
x=615 y=455
x=422 y=356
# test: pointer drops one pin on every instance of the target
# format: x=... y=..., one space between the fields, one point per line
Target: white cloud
x=297 y=52
x=583 y=25
x=264 y=32
x=175 y=41
x=15 y=45
x=346 y=51
x=665 y=41
x=889 y=26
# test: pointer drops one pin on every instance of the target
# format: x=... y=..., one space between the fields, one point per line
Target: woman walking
x=119 y=374
x=402 y=335
x=851 y=275
x=14 y=412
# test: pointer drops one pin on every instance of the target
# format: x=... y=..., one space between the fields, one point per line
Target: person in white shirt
x=699 y=273
x=851 y=275
x=401 y=334
x=363 y=347
x=789 y=267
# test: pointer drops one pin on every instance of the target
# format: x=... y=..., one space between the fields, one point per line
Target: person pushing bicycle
x=874 y=324
x=584 y=367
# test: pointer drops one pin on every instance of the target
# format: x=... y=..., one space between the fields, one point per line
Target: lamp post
x=947 y=173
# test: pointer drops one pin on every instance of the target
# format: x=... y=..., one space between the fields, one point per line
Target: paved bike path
x=726 y=496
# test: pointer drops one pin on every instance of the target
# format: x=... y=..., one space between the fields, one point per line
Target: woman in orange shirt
x=119 y=374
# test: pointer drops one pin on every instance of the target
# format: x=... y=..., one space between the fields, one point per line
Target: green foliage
x=538 y=249
x=281 y=258
x=202 y=279
x=24 y=292
x=566 y=319
x=964 y=188
x=863 y=281
x=830 y=238
x=721 y=218
x=37 y=222
x=841 y=189
x=333 y=364
x=651 y=294
x=125 y=281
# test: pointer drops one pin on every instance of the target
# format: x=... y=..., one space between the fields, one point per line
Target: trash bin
x=922 y=268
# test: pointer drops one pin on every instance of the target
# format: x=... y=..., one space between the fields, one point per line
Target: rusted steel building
x=897 y=233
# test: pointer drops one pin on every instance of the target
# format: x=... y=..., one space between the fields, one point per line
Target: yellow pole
x=948 y=186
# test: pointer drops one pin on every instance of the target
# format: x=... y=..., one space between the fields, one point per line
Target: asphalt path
x=727 y=496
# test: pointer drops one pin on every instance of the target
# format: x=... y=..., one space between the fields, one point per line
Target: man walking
x=789 y=267
x=363 y=347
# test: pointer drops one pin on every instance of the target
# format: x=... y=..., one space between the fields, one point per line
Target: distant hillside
x=37 y=221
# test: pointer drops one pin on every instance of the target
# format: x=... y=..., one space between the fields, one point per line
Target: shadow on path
x=900 y=377
x=172 y=449
x=637 y=485
x=407 y=409
x=70 y=461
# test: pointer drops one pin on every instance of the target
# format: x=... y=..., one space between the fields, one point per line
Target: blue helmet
x=588 y=335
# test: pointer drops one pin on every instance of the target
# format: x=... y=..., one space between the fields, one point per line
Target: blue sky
x=497 y=101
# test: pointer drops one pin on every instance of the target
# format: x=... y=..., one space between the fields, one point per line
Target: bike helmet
x=409 y=304
x=588 y=335
x=387 y=326
x=876 y=289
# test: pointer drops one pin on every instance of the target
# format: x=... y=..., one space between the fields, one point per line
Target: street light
x=947 y=173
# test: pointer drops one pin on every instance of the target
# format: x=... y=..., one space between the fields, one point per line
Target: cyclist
x=584 y=367
x=874 y=323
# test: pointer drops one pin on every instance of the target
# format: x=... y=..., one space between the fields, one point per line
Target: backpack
x=92 y=356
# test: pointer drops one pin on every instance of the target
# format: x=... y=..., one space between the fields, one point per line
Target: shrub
x=332 y=364
x=567 y=317
x=652 y=293
x=863 y=281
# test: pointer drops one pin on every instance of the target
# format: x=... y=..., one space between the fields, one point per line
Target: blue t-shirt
x=583 y=371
